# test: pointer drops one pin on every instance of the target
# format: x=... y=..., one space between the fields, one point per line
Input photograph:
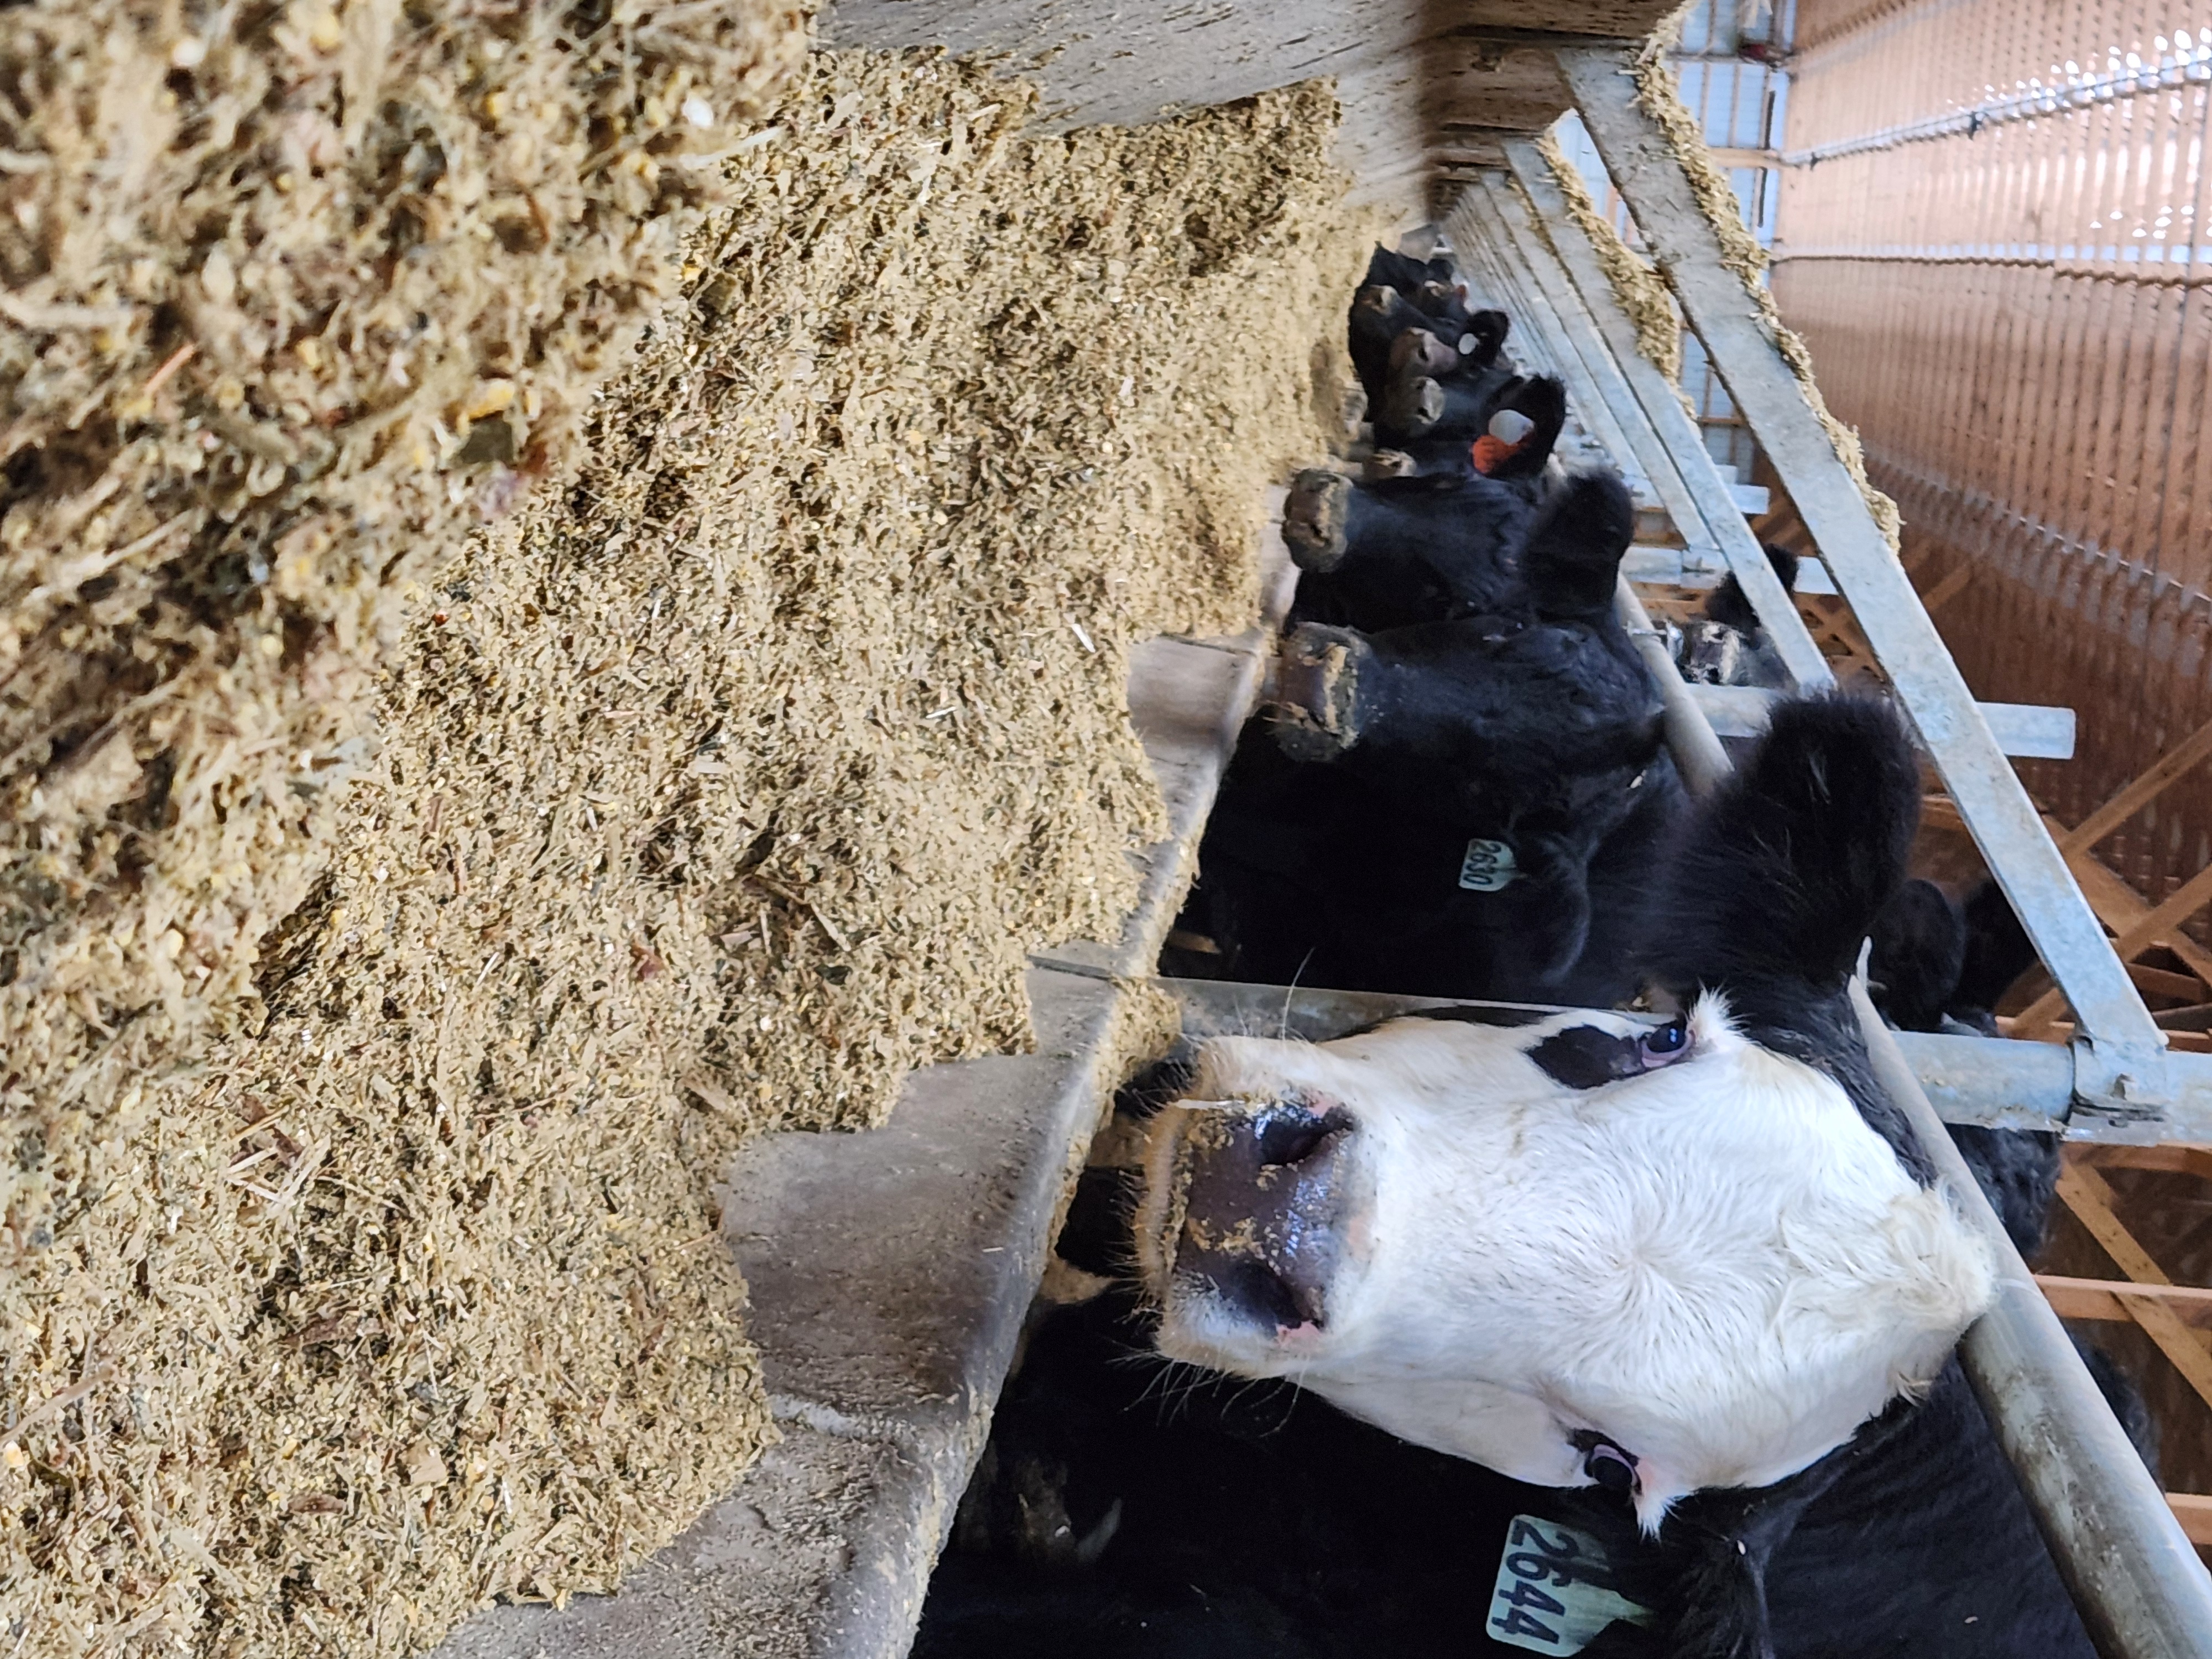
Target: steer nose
x=1264 y=1207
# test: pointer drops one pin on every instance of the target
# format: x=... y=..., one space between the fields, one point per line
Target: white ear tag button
x=1510 y=426
x=1488 y=866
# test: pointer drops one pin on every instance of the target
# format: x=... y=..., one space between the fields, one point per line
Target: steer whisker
x=1290 y=990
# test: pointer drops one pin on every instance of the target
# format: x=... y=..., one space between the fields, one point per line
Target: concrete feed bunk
x=728 y=773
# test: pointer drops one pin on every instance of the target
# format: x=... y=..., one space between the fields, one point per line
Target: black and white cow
x=1125 y=1510
x=1464 y=806
x=1699 y=1261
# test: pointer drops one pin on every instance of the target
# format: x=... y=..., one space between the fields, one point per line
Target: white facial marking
x=1709 y=1260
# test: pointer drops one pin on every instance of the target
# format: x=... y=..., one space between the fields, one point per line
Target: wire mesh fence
x=1990 y=232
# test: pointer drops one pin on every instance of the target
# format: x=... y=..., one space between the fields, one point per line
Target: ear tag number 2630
x=1555 y=1591
x=1487 y=866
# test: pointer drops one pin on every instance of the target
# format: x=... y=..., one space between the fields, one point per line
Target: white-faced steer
x=1597 y=1248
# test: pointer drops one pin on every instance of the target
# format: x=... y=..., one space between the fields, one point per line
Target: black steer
x=1728 y=645
x=1917 y=956
x=1462 y=806
x=1428 y=548
x=1998 y=951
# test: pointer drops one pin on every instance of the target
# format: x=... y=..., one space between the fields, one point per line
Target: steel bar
x=1993 y=1080
x=1709 y=497
x=2133 y=1573
x=2025 y=729
x=1547 y=349
x=1673 y=566
x=2123 y=1066
x=1541 y=300
x=1698 y=752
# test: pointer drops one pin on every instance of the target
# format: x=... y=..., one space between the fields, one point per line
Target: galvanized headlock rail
x=2142 y=1591
x=2133 y=1573
x=2116 y=1080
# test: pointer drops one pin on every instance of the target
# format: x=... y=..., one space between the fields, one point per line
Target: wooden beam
x=2152 y=929
x=2109 y=1300
x=2120 y=907
x=1948 y=589
x=2194 y=1511
x=2061 y=1031
x=1940 y=812
x=2175 y=1158
x=2088 y=1195
x=2159 y=983
x=2135 y=796
x=1734 y=156
x=1778 y=521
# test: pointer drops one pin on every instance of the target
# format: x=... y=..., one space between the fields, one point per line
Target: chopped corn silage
x=711 y=792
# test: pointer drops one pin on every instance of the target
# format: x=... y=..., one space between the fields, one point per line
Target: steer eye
x=1664 y=1044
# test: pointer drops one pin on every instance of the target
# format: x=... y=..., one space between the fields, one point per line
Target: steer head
x=1521 y=1245
x=1591 y=1247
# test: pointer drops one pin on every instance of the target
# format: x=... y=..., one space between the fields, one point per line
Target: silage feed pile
x=718 y=785
x=292 y=298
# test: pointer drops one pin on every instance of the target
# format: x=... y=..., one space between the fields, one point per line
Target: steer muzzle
x=1260 y=1208
x=1417 y=351
x=1318 y=519
x=1376 y=300
x=1313 y=691
x=1412 y=403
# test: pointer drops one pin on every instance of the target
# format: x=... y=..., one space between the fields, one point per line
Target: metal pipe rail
x=2135 y=1576
x=1585 y=295
x=2122 y=1071
x=2133 y=1573
x=1973 y=1079
x=2020 y=728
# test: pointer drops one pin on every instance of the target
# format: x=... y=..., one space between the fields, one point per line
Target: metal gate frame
x=2135 y=1577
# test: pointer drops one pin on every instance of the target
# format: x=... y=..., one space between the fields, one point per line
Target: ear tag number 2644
x=1555 y=1591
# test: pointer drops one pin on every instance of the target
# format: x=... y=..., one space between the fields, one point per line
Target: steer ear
x=1488 y=330
x=1771 y=884
x=1572 y=562
x=1543 y=399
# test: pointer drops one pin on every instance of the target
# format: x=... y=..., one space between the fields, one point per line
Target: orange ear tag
x=1489 y=454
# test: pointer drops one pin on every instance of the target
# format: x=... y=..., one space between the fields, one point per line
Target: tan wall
x=1993 y=266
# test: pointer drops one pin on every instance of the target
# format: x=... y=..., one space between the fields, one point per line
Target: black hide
x=1530 y=735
